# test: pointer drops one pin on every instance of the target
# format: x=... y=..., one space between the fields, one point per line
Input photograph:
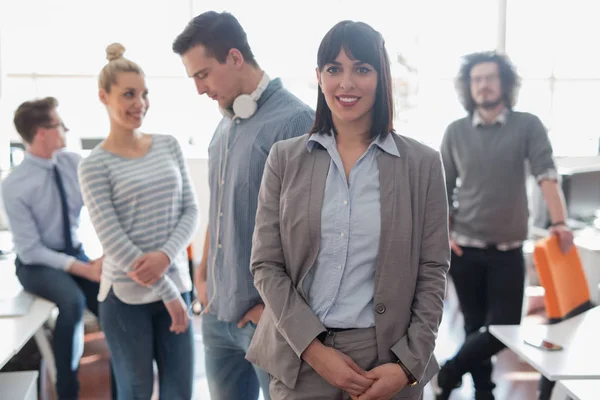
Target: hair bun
x=114 y=51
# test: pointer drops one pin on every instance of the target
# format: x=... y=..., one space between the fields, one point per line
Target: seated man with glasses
x=42 y=201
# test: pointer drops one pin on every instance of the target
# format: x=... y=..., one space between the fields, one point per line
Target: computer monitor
x=580 y=182
x=582 y=195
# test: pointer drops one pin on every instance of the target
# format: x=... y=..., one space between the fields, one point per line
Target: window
x=59 y=50
x=65 y=42
x=552 y=44
x=424 y=39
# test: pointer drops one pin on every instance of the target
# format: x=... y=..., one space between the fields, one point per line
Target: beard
x=490 y=104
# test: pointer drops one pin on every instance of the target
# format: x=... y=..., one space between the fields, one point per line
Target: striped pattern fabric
x=139 y=206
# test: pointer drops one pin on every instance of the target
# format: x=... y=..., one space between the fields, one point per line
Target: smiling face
x=127 y=102
x=350 y=88
x=355 y=86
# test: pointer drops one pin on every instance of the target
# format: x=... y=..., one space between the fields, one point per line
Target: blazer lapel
x=388 y=195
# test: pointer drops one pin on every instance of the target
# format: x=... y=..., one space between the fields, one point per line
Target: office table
x=15 y=332
x=578 y=336
x=587 y=389
x=20 y=385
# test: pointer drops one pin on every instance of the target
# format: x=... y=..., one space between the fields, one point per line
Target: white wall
x=4 y=143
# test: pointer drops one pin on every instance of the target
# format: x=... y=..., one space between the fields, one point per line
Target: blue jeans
x=137 y=335
x=71 y=294
x=230 y=375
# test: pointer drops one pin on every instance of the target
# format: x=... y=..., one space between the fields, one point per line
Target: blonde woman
x=142 y=205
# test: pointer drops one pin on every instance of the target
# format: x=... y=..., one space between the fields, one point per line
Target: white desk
x=15 y=332
x=578 y=336
x=20 y=385
x=588 y=389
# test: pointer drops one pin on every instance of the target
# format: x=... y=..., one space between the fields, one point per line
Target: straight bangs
x=357 y=41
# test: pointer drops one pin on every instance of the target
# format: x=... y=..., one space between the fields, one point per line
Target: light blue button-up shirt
x=32 y=206
x=240 y=160
x=340 y=287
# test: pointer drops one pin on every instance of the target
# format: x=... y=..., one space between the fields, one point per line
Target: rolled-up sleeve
x=539 y=152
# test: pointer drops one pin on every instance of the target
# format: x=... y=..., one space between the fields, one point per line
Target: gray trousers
x=358 y=344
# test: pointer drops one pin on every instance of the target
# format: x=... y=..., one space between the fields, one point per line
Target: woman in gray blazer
x=350 y=249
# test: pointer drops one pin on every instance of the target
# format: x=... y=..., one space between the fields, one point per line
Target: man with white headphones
x=257 y=112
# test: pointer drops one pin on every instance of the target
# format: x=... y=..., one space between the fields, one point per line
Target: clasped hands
x=149 y=269
x=380 y=383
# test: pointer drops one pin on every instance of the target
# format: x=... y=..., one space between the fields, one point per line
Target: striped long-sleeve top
x=138 y=206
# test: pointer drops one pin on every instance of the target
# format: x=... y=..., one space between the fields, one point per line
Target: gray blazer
x=410 y=278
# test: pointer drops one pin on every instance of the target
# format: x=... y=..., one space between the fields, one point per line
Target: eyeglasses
x=487 y=78
x=56 y=125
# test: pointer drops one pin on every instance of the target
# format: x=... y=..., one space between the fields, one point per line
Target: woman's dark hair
x=360 y=42
x=509 y=79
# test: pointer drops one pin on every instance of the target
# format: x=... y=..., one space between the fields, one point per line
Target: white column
x=4 y=136
x=501 y=39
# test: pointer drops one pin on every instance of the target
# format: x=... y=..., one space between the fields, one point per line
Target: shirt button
x=220 y=246
x=380 y=308
x=237 y=121
x=339 y=267
x=223 y=182
x=342 y=234
x=221 y=214
x=345 y=202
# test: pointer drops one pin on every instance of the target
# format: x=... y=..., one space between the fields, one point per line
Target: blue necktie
x=65 y=214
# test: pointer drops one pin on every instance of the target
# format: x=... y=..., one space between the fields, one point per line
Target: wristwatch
x=412 y=381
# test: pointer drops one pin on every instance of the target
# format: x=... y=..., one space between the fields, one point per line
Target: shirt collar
x=387 y=143
x=39 y=161
x=500 y=118
x=274 y=85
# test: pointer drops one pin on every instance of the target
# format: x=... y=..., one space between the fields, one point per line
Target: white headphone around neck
x=245 y=105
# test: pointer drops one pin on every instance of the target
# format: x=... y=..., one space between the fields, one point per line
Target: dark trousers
x=489 y=284
x=72 y=295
